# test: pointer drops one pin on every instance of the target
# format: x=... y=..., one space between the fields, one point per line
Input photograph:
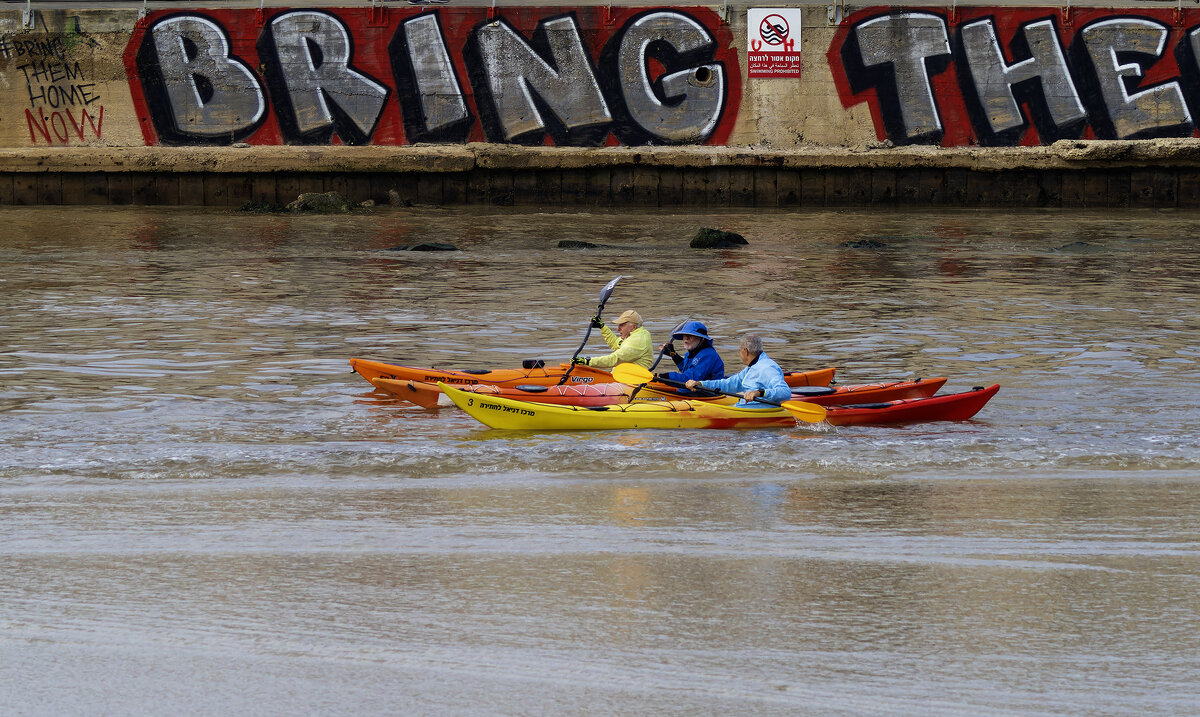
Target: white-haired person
x=762 y=377
x=633 y=345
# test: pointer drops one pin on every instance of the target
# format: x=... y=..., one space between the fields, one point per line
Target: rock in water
x=708 y=238
x=864 y=244
x=427 y=246
x=327 y=203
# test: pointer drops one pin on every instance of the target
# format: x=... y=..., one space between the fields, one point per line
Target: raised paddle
x=608 y=290
x=633 y=374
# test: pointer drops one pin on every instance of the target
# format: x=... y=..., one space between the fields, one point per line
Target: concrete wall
x=851 y=89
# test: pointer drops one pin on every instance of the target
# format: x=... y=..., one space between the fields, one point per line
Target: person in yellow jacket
x=633 y=346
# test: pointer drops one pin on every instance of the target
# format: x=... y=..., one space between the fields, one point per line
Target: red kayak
x=949 y=407
x=868 y=392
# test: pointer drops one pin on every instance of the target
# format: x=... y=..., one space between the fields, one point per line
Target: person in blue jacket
x=700 y=362
x=762 y=377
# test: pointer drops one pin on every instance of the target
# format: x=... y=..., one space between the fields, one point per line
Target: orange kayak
x=429 y=395
x=816 y=377
x=539 y=376
x=542 y=375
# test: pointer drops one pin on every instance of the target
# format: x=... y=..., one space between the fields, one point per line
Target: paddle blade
x=631 y=374
x=805 y=411
x=608 y=290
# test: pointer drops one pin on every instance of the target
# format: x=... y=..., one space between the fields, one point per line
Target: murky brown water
x=203 y=511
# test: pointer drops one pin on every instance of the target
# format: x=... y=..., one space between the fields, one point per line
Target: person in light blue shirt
x=762 y=377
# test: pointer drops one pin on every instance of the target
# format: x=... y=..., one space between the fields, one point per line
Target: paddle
x=608 y=290
x=670 y=337
x=633 y=374
x=813 y=391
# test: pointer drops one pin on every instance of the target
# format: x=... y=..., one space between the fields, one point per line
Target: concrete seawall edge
x=1071 y=155
x=1161 y=174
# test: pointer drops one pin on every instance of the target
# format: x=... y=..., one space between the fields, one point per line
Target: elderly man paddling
x=633 y=346
x=762 y=377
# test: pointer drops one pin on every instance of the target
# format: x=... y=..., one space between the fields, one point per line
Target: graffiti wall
x=575 y=77
x=1021 y=76
x=598 y=76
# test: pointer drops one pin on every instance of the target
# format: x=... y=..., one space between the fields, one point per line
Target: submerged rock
x=865 y=244
x=574 y=244
x=708 y=238
x=426 y=246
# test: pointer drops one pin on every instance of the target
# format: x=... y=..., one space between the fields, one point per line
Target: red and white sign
x=773 y=42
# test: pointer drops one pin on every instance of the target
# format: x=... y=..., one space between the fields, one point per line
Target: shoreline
x=1069 y=173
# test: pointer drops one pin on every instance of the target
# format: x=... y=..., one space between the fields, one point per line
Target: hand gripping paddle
x=633 y=374
x=670 y=337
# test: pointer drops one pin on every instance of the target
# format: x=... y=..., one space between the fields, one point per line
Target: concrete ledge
x=1150 y=174
x=239 y=160
x=1062 y=155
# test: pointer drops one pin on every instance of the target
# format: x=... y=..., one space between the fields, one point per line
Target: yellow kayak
x=509 y=414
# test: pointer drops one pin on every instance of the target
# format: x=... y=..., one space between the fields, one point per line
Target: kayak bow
x=948 y=407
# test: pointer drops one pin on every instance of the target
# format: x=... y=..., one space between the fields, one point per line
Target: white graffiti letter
x=994 y=79
x=442 y=103
x=313 y=50
x=211 y=94
x=515 y=74
x=906 y=41
x=688 y=106
x=1145 y=113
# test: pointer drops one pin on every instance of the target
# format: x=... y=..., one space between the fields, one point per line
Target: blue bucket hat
x=692 y=328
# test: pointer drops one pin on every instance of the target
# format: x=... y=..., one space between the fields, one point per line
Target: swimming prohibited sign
x=773 y=42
